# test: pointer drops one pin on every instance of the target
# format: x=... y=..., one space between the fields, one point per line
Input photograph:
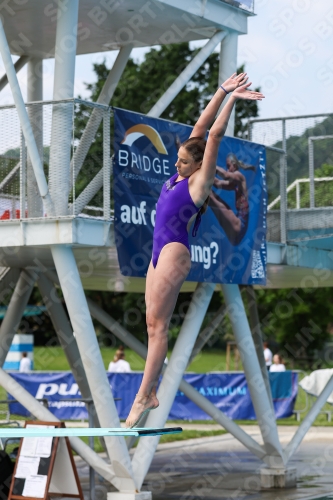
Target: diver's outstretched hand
x=242 y=92
x=234 y=81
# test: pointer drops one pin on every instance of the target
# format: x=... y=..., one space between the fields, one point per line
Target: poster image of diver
x=231 y=242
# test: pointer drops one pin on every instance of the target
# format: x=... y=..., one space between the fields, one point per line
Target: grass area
x=53 y=359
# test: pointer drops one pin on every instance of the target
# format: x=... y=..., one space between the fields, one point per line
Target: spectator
x=25 y=363
x=268 y=355
x=119 y=365
x=278 y=365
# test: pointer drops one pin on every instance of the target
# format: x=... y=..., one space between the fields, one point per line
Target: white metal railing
x=15 y=171
x=311 y=164
x=274 y=131
x=296 y=184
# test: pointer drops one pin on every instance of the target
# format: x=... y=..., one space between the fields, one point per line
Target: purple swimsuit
x=175 y=208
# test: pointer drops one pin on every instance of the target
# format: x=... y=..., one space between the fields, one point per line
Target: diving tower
x=48 y=240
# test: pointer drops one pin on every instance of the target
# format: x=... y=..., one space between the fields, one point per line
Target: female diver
x=234 y=224
x=182 y=198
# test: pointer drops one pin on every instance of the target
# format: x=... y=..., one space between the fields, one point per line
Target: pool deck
x=219 y=467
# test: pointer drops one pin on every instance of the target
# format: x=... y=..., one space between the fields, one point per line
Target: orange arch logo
x=137 y=131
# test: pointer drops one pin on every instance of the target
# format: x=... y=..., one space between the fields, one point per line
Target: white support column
x=14 y=313
x=24 y=120
x=20 y=63
x=228 y=66
x=96 y=116
x=42 y=413
x=186 y=75
x=255 y=381
x=62 y=114
x=128 y=339
x=173 y=376
x=92 y=361
x=35 y=113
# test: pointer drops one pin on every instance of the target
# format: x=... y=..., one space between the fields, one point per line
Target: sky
x=288 y=52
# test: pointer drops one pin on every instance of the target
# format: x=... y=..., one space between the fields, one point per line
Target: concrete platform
x=221 y=468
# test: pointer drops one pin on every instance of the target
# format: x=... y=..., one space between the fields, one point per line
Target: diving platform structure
x=51 y=238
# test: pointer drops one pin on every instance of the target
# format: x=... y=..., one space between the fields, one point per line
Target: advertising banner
x=227 y=391
x=230 y=246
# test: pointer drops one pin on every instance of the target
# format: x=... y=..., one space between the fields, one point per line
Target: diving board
x=82 y=432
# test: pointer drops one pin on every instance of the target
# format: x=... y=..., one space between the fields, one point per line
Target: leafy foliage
x=143 y=83
x=298 y=320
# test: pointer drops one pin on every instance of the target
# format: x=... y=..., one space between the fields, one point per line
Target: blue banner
x=230 y=246
x=227 y=391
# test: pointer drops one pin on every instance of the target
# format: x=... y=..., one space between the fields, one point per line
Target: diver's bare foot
x=142 y=404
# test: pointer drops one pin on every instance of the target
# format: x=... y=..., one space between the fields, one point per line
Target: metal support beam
x=173 y=375
x=35 y=113
x=24 y=120
x=88 y=193
x=228 y=66
x=96 y=116
x=62 y=114
x=257 y=338
x=92 y=361
x=311 y=165
x=8 y=280
x=255 y=381
x=14 y=313
x=64 y=332
x=186 y=75
x=283 y=186
x=23 y=176
x=9 y=177
x=133 y=343
x=308 y=420
x=20 y=63
x=206 y=334
x=311 y=173
x=42 y=413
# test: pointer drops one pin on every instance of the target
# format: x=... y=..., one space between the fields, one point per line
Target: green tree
x=143 y=83
x=298 y=320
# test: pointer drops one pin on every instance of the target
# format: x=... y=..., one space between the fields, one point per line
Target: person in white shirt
x=25 y=363
x=268 y=355
x=119 y=365
x=277 y=365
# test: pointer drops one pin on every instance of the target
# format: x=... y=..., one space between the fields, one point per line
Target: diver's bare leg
x=162 y=288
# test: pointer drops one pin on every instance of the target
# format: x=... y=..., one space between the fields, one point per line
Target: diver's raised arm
x=209 y=113
x=207 y=172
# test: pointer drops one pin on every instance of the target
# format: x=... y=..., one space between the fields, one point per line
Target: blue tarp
x=227 y=391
